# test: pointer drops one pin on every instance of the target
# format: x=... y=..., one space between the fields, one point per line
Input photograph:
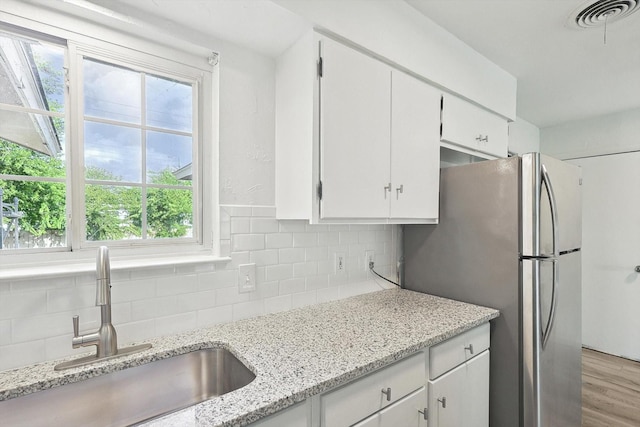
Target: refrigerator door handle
x=552 y=311
x=554 y=208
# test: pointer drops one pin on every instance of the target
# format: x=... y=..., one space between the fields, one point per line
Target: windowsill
x=80 y=267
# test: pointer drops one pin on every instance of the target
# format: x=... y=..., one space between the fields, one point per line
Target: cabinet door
x=415 y=148
x=355 y=116
x=402 y=413
x=295 y=416
x=470 y=126
x=461 y=396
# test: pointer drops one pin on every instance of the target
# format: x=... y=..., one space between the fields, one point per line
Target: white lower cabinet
x=359 y=399
x=407 y=412
x=459 y=381
x=446 y=385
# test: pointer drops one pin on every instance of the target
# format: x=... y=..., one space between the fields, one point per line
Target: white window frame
x=152 y=58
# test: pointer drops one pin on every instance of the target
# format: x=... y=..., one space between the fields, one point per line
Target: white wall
x=294 y=260
x=524 y=137
x=397 y=32
x=613 y=133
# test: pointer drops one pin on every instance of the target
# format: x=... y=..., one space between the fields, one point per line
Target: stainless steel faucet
x=105 y=339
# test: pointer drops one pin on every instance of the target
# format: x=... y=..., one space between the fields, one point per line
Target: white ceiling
x=563 y=73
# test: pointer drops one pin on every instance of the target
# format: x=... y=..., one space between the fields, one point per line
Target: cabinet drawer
x=461 y=396
x=402 y=413
x=363 y=397
x=470 y=126
x=454 y=351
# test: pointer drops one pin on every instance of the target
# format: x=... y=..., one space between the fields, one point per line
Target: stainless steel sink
x=132 y=395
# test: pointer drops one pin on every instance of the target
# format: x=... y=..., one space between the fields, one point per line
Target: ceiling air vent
x=602 y=12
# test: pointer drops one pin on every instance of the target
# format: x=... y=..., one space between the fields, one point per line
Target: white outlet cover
x=246 y=278
x=369 y=256
x=340 y=265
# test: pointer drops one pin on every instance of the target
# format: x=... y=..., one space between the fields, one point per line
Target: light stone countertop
x=294 y=354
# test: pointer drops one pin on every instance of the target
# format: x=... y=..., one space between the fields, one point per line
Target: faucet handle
x=76 y=326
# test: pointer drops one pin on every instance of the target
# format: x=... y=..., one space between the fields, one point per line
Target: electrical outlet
x=340 y=263
x=369 y=260
x=246 y=278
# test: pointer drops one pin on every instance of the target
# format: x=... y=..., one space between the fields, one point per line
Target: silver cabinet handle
x=481 y=138
x=637 y=268
x=443 y=401
x=387 y=188
x=424 y=413
x=470 y=348
x=399 y=190
x=387 y=392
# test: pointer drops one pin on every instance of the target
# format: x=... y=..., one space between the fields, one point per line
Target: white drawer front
x=402 y=413
x=454 y=351
x=470 y=126
x=363 y=397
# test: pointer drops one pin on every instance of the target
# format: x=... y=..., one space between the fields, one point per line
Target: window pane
x=25 y=148
x=112 y=212
x=36 y=210
x=112 y=153
x=32 y=74
x=172 y=153
x=169 y=213
x=169 y=104
x=111 y=92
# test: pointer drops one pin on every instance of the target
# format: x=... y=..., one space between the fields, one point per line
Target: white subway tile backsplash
x=133 y=290
x=226 y=296
x=215 y=315
x=305 y=240
x=247 y=242
x=291 y=255
x=291 y=286
x=5 y=332
x=217 y=279
x=304 y=269
x=23 y=304
x=264 y=225
x=278 y=272
x=290 y=226
x=23 y=354
x=174 y=324
x=240 y=225
x=248 y=309
x=348 y=237
x=197 y=300
x=277 y=304
x=266 y=257
x=317 y=282
x=319 y=253
x=170 y=286
x=294 y=267
x=278 y=240
x=70 y=298
x=266 y=211
x=303 y=299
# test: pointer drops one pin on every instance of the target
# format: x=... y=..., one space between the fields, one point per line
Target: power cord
x=382 y=277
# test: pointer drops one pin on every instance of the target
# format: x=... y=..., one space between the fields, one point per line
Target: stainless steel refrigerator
x=509 y=237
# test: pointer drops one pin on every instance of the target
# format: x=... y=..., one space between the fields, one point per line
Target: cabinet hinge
x=320 y=67
x=320 y=190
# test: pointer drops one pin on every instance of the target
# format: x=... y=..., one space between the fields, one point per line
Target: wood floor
x=610 y=391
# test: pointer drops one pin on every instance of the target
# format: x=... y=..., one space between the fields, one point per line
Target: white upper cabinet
x=355 y=128
x=360 y=142
x=415 y=153
x=472 y=129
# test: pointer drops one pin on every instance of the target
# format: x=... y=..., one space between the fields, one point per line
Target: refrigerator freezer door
x=563 y=183
x=552 y=373
x=472 y=256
